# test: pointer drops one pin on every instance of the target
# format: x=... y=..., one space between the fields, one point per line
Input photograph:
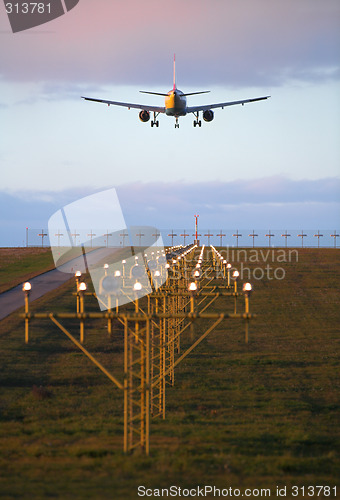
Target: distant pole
x=253 y=235
x=318 y=236
x=172 y=234
x=140 y=237
x=238 y=235
x=58 y=234
x=184 y=236
x=209 y=236
x=124 y=235
x=107 y=234
x=221 y=236
x=335 y=236
x=91 y=234
x=286 y=235
x=42 y=234
x=269 y=235
x=156 y=235
x=302 y=235
x=75 y=234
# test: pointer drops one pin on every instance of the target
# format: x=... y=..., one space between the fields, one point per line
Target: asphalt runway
x=13 y=299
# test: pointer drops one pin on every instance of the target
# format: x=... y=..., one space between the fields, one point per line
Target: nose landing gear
x=176 y=124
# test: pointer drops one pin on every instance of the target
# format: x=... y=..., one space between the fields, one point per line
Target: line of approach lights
x=160 y=328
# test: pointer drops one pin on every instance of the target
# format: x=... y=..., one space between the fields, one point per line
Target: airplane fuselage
x=175 y=103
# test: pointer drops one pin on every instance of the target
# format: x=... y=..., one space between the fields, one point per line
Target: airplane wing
x=129 y=105
x=194 y=109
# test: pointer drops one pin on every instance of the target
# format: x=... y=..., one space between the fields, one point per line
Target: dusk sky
x=274 y=163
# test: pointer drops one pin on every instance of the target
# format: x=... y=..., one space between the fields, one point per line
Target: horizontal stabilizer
x=194 y=93
x=153 y=93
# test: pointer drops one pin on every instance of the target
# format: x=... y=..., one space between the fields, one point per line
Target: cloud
x=248 y=43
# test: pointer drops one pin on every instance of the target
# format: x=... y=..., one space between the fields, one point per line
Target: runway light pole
x=247 y=289
x=81 y=289
x=26 y=287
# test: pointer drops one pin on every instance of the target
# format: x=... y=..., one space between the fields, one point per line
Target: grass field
x=241 y=416
x=21 y=264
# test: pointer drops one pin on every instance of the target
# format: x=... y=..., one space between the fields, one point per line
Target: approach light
x=124 y=261
x=117 y=273
x=156 y=274
x=236 y=275
x=228 y=265
x=106 y=266
x=137 y=286
x=192 y=287
x=78 y=274
x=26 y=287
x=247 y=288
x=82 y=287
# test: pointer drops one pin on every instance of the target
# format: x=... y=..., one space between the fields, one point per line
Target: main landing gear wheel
x=197 y=121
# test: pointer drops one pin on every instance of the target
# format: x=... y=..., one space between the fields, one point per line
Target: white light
x=192 y=287
x=236 y=274
x=82 y=287
x=124 y=261
x=106 y=266
x=137 y=286
x=224 y=262
x=27 y=286
x=117 y=273
x=78 y=274
x=247 y=287
x=157 y=274
x=228 y=265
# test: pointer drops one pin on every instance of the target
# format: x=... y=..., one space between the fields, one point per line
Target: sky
x=273 y=163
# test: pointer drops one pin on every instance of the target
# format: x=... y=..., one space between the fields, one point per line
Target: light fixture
x=27 y=286
x=192 y=287
x=137 y=286
x=82 y=287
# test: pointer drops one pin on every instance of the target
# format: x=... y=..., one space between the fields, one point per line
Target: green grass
x=21 y=264
x=255 y=416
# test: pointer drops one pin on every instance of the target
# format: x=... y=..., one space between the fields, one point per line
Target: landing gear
x=176 y=124
x=197 y=121
x=155 y=122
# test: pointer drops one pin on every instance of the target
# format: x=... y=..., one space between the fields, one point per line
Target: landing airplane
x=175 y=105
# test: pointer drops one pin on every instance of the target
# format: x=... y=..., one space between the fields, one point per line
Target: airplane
x=175 y=105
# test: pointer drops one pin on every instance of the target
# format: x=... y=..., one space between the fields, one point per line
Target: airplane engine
x=144 y=116
x=208 y=115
